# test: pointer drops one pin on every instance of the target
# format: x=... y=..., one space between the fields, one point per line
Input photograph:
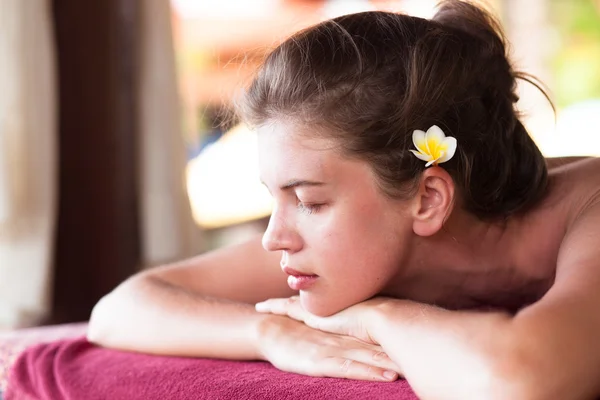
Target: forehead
x=294 y=138
x=286 y=149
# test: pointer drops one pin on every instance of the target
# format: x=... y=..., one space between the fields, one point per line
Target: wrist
x=264 y=326
x=379 y=318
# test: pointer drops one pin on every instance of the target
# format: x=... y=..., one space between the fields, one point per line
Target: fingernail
x=260 y=307
x=389 y=375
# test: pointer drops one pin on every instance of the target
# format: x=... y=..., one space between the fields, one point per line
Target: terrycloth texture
x=75 y=370
x=13 y=343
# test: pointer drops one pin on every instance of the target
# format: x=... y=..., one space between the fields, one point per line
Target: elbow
x=101 y=324
x=110 y=315
x=96 y=323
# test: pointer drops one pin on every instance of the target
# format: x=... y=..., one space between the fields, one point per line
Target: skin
x=316 y=223
x=536 y=275
x=460 y=307
x=404 y=251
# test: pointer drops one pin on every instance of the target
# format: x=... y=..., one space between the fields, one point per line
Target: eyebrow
x=300 y=182
x=294 y=183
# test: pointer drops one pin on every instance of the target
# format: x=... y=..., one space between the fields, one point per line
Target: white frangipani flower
x=433 y=146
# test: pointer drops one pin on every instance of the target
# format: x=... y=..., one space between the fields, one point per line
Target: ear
x=433 y=202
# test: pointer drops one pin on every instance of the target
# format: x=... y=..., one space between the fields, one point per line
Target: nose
x=279 y=235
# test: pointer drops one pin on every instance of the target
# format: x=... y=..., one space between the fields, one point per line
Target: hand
x=294 y=347
x=353 y=321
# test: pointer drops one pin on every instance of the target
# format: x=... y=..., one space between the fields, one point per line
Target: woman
x=419 y=229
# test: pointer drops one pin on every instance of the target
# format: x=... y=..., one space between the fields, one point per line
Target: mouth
x=293 y=272
x=299 y=280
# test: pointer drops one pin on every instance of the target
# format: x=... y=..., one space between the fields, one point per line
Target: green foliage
x=576 y=65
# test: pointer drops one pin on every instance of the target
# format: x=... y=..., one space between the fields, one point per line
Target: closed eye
x=309 y=208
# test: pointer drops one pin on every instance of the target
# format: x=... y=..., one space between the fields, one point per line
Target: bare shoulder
x=577 y=266
x=586 y=176
x=579 y=254
x=575 y=163
x=582 y=235
x=559 y=162
x=576 y=183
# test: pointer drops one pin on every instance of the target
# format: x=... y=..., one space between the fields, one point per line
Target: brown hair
x=372 y=78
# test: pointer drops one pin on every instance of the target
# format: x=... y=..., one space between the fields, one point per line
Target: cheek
x=357 y=251
x=359 y=246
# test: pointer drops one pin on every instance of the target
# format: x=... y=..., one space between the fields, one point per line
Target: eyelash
x=309 y=208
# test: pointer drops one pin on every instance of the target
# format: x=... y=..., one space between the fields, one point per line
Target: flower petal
x=449 y=148
x=420 y=142
x=421 y=156
x=434 y=137
x=431 y=162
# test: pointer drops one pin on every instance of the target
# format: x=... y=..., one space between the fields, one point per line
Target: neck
x=464 y=257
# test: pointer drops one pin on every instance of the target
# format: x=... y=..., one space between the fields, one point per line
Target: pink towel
x=74 y=369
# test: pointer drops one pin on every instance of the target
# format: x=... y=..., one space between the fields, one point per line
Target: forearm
x=446 y=354
x=152 y=316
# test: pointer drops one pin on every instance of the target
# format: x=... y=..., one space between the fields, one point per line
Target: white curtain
x=168 y=232
x=27 y=160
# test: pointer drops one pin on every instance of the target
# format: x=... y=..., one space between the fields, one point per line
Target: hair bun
x=474 y=20
x=482 y=35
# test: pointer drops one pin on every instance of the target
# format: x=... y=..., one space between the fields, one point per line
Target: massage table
x=57 y=362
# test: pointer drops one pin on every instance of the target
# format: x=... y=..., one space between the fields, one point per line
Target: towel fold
x=74 y=369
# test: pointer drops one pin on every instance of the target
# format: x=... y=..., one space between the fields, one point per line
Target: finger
x=338 y=367
x=375 y=358
x=273 y=306
x=331 y=324
x=287 y=306
x=295 y=310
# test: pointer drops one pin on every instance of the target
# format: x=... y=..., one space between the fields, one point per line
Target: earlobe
x=433 y=202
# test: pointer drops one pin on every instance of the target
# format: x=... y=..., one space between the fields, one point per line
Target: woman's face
x=330 y=220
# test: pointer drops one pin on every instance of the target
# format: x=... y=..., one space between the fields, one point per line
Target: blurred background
x=117 y=153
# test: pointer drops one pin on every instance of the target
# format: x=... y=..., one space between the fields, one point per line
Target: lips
x=299 y=280
x=293 y=272
x=303 y=282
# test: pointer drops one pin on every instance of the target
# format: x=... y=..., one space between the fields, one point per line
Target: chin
x=319 y=306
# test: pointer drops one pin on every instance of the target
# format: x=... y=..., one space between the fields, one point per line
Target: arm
x=199 y=307
x=202 y=308
x=446 y=354
x=548 y=350
x=443 y=354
